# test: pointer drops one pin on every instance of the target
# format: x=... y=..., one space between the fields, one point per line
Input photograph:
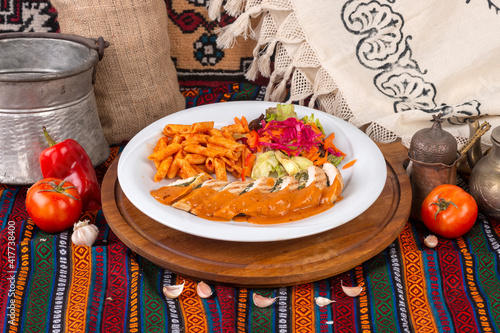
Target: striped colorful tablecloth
x=49 y=285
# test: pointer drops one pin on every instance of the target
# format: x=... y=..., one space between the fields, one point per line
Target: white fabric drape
x=387 y=64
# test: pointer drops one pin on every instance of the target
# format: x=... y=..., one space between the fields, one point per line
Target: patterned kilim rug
x=48 y=285
x=27 y=15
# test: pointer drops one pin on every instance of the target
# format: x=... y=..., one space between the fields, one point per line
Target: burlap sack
x=136 y=81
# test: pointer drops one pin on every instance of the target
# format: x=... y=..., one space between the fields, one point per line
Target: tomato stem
x=442 y=205
x=59 y=189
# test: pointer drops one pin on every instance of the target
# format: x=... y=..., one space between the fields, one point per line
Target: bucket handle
x=98 y=44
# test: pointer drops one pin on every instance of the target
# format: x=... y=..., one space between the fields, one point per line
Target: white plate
x=364 y=181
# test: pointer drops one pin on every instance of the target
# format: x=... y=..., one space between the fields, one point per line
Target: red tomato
x=53 y=204
x=449 y=211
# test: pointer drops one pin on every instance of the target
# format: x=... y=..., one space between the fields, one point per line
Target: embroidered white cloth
x=390 y=65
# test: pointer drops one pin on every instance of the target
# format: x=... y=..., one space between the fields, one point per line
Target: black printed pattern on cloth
x=384 y=48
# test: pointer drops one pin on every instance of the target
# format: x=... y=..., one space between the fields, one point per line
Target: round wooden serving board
x=266 y=264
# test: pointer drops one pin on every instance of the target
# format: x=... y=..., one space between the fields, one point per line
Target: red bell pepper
x=69 y=161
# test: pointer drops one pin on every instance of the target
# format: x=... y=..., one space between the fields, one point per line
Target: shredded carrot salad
x=292 y=136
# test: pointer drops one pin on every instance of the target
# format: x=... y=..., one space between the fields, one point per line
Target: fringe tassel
x=265 y=59
x=277 y=94
x=234 y=7
x=214 y=8
x=253 y=70
x=225 y=38
x=312 y=101
x=265 y=65
x=269 y=88
x=241 y=27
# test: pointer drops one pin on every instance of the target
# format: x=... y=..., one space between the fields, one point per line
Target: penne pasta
x=220 y=169
x=184 y=150
x=186 y=168
x=209 y=163
x=202 y=126
x=226 y=143
x=221 y=151
x=177 y=139
x=198 y=137
x=161 y=173
x=215 y=132
x=232 y=164
x=164 y=152
x=174 y=167
x=195 y=158
x=199 y=169
x=162 y=143
x=234 y=128
x=205 y=151
x=173 y=129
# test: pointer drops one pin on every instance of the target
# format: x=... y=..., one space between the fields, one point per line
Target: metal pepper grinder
x=433 y=158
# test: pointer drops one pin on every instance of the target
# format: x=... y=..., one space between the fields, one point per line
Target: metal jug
x=433 y=158
x=484 y=181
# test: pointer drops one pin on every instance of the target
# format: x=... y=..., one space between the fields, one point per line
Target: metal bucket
x=46 y=79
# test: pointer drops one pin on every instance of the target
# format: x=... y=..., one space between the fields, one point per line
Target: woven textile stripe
x=97 y=289
x=383 y=301
x=152 y=316
x=49 y=285
x=323 y=314
x=196 y=320
x=43 y=268
x=434 y=283
x=262 y=318
x=79 y=292
x=242 y=315
x=419 y=307
x=133 y=323
x=226 y=297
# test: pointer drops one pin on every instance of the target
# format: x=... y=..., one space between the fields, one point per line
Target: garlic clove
x=351 y=291
x=431 y=241
x=173 y=291
x=262 y=301
x=203 y=290
x=323 y=301
x=84 y=233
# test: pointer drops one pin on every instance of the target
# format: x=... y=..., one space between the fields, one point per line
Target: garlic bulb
x=84 y=233
x=323 y=301
x=173 y=291
x=351 y=291
x=203 y=290
x=262 y=301
x=431 y=241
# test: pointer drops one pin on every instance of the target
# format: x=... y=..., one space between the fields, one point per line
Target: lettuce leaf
x=265 y=163
x=281 y=112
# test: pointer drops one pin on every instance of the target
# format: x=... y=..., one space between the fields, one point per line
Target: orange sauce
x=255 y=206
x=257 y=203
x=167 y=195
x=208 y=207
x=349 y=164
x=288 y=217
x=197 y=196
